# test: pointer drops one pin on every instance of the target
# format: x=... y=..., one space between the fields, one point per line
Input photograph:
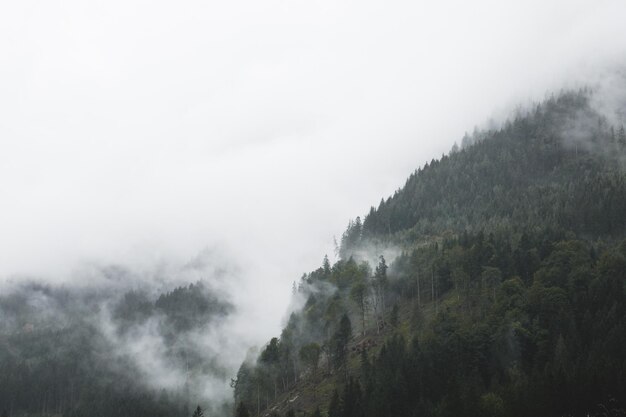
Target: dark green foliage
x=198 y=413
x=352 y=399
x=334 y=408
x=535 y=171
x=271 y=354
x=242 y=411
x=340 y=340
x=351 y=238
x=189 y=307
x=351 y=402
x=501 y=347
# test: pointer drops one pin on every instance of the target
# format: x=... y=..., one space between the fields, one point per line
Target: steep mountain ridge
x=508 y=295
x=555 y=165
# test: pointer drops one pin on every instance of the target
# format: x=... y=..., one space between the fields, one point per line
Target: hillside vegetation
x=75 y=352
x=506 y=295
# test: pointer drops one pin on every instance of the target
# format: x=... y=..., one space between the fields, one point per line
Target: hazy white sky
x=133 y=131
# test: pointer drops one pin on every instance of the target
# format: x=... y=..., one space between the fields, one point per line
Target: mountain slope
x=555 y=165
x=506 y=294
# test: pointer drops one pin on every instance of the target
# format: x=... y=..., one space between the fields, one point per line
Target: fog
x=144 y=133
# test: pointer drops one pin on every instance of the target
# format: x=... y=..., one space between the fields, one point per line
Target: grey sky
x=136 y=131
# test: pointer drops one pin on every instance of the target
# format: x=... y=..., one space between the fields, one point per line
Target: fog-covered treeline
x=107 y=350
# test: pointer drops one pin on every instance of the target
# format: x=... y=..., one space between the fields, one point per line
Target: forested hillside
x=556 y=165
x=505 y=294
x=71 y=351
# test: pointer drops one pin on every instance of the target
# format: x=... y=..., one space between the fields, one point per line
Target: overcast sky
x=135 y=131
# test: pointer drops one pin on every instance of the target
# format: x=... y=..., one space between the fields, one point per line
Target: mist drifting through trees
x=312 y=208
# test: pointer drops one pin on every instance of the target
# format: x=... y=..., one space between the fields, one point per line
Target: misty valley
x=492 y=283
x=107 y=350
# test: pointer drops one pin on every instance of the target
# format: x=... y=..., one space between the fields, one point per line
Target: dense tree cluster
x=550 y=343
x=560 y=164
x=508 y=297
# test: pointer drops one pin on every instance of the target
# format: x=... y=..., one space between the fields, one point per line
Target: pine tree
x=242 y=411
x=353 y=399
x=334 y=408
x=380 y=284
x=340 y=341
x=326 y=267
x=198 y=412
